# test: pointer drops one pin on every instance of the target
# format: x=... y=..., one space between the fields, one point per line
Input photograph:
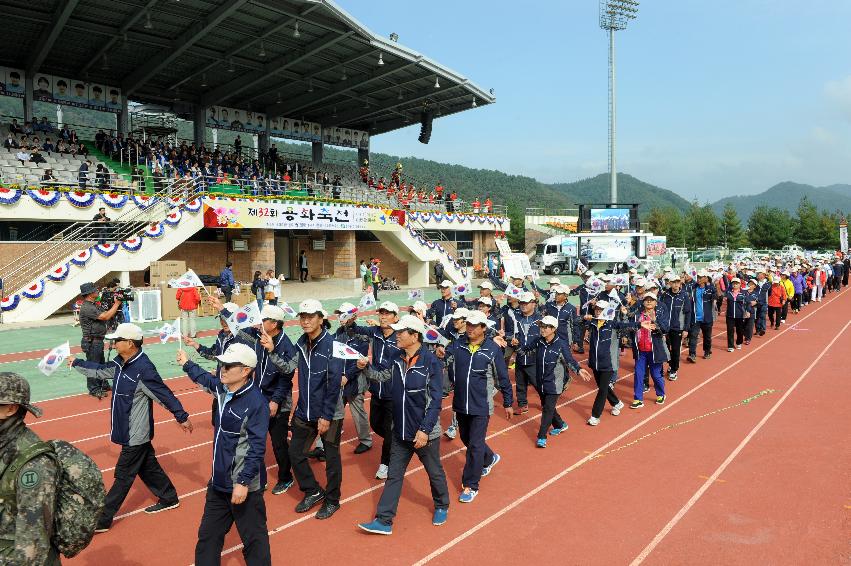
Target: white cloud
x=839 y=94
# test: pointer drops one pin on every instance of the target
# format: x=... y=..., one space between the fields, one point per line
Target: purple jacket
x=798 y=283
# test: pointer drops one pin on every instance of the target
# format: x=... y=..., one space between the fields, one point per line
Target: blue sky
x=714 y=98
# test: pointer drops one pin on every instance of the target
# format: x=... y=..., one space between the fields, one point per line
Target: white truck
x=599 y=251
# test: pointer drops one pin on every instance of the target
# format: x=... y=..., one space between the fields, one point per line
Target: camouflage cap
x=15 y=390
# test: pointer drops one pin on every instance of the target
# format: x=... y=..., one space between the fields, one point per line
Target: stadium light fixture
x=344 y=76
x=279 y=101
x=334 y=113
x=262 y=49
x=474 y=102
x=296 y=33
x=436 y=82
x=104 y=66
x=380 y=59
x=394 y=37
x=614 y=16
x=124 y=39
x=400 y=95
x=230 y=65
x=203 y=79
x=310 y=84
x=148 y=24
x=366 y=103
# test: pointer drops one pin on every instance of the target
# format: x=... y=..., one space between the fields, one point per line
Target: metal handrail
x=131 y=222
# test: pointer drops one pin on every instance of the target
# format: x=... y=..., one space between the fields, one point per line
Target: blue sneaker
x=376 y=527
x=542 y=442
x=487 y=469
x=558 y=431
x=439 y=517
x=282 y=487
x=468 y=495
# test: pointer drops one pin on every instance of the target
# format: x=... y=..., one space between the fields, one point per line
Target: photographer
x=93 y=323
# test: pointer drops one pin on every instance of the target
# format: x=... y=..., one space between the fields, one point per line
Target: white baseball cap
x=389 y=307
x=526 y=297
x=555 y=281
x=561 y=289
x=703 y=273
x=485 y=300
x=344 y=308
x=239 y=354
x=126 y=331
x=735 y=280
x=478 y=317
x=420 y=306
x=649 y=296
x=409 y=322
x=548 y=321
x=601 y=305
x=639 y=281
x=673 y=277
x=446 y=283
x=273 y=312
x=486 y=285
x=310 y=306
x=462 y=312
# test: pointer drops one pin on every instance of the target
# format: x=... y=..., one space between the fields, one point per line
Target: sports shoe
x=646 y=386
x=282 y=487
x=541 y=443
x=376 y=527
x=521 y=409
x=660 y=400
x=451 y=432
x=637 y=404
x=593 y=421
x=730 y=350
x=487 y=469
x=513 y=365
x=672 y=376
x=692 y=358
x=327 y=510
x=738 y=346
x=381 y=473
x=439 y=516
x=361 y=448
x=557 y=431
x=318 y=453
x=102 y=527
x=468 y=495
x=707 y=356
x=747 y=342
x=161 y=506
x=616 y=410
x=309 y=502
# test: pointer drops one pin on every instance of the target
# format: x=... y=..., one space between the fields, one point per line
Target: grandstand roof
x=236 y=53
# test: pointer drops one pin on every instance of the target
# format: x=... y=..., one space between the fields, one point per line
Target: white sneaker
x=738 y=346
x=616 y=410
x=593 y=421
x=381 y=474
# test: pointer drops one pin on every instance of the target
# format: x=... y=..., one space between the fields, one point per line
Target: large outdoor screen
x=609 y=219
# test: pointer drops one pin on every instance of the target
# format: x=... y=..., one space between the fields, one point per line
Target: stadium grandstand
x=164 y=112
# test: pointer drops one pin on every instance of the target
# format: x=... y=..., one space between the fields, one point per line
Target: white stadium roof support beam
x=241 y=83
x=50 y=35
x=194 y=33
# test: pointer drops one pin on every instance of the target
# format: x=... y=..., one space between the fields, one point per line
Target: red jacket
x=188 y=299
x=777 y=295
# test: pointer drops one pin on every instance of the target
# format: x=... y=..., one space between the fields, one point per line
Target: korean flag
x=346 y=352
x=54 y=359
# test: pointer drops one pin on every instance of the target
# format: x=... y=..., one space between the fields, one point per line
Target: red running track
x=611 y=494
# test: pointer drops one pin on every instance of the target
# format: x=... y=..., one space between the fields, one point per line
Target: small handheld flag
x=580 y=268
x=246 y=317
x=53 y=360
x=460 y=290
x=433 y=336
x=368 y=300
x=346 y=352
x=348 y=315
x=288 y=310
x=416 y=295
x=513 y=291
x=632 y=262
x=186 y=281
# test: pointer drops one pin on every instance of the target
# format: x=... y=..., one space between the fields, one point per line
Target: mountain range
x=787 y=195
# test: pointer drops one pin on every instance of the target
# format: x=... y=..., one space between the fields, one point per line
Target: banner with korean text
x=283 y=216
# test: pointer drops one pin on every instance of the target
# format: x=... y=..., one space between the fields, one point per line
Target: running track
x=703 y=479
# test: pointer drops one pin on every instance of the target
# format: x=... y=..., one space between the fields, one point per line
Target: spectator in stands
x=10 y=143
x=15 y=128
x=83 y=173
x=476 y=204
x=44 y=125
x=237 y=146
x=450 y=205
x=47 y=147
x=28 y=128
x=23 y=155
x=47 y=177
x=65 y=133
x=488 y=205
x=36 y=157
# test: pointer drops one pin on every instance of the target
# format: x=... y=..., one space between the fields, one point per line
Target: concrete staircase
x=409 y=244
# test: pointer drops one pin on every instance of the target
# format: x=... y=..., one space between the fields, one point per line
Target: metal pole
x=613 y=178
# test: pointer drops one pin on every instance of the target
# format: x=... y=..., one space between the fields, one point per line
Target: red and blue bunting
x=34 y=291
x=173 y=217
x=106 y=250
x=133 y=244
x=81 y=257
x=10 y=196
x=60 y=273
x=155 y=230
x=193 y=205
x=44 y=197
x=114 y=200
x=10 y=303
x=80 y=199
x=143 y=201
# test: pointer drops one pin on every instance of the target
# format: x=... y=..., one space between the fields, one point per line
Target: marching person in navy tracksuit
x=675 y=309
x=136 y=384
x=737 y=313
x=417 y=376
x=235 y=490
x=444 y=306
x=651 y=349
x=565 y=313
x=477 y=367
x=552 y=362
x=702 y=316
x=604 y=358
x=526 y=331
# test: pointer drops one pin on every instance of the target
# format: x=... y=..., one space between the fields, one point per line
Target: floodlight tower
x=614 y=16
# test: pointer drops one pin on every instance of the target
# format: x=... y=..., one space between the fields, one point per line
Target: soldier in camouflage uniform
x=25 y=536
